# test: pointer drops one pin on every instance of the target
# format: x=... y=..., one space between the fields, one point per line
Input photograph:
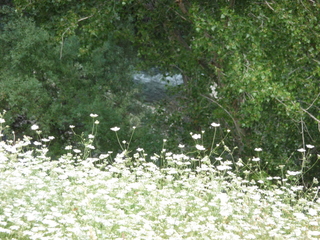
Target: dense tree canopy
x=262 y=58
x=41 y=83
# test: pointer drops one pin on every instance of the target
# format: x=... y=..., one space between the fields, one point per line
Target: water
x=154 y=84
x=158 y=79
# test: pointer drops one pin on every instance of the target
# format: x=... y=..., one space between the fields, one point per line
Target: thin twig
x=304 y=110
x=313 y=101
x=62 y=41
x=313 y=117
x=62 y=36
x=269 y=5
x=84 y=18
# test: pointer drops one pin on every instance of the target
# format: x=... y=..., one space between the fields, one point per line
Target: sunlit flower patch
x=129 y=196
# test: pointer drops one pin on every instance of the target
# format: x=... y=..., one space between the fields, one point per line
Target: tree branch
x=84 y=18
x=62 y=36
x=269 y=5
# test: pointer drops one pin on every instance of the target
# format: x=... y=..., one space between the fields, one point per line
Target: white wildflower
x=300 y=216
x=312 y=212
x=115 y=129
x=196 y=136
x=91 y=146
x=37 y=143
x=200 y=147
x=103 y=156
x=215 y=124
x=50 y=222
x=223 y=167
x=170 y=231
x=77 y=150
x=315 y=180
x=69 y=147
x=34 y=127
x=314 y=233
x=154 y=158
x=293 y=173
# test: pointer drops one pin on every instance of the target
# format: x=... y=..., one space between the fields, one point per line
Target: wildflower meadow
x=131 y=195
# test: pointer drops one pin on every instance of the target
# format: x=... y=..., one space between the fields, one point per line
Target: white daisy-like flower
x=293 y=173
x=301 y=150
x=37 y=143
x=103 y=156
x=90 y=136
x=309 y=146
x=223 y=167
x=258 y=149
x=215 y=124
x=312 y=212
x=200 y=147
x=91 y=146
x=196 y=136
x=314 y=233
x=93 y=115
x=153 y=158
x=115 y=129
x=34 y=127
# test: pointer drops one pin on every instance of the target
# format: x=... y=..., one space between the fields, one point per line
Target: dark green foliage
x=55 y=86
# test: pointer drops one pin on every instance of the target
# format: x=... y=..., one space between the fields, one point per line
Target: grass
x=129 y=197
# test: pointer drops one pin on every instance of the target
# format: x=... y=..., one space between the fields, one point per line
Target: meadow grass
x=128 y=196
